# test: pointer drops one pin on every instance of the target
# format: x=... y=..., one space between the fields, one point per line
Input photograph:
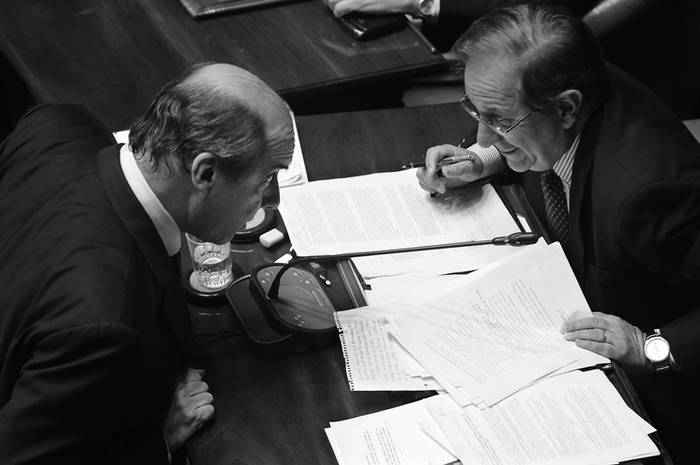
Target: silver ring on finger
x=605 y=335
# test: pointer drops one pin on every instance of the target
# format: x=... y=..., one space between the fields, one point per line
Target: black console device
x=363 y=26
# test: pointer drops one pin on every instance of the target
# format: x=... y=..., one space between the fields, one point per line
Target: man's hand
x=455 y=175
x=342 y=7
x=612 y=337
x=190 y=408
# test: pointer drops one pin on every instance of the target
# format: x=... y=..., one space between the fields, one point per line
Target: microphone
x=516 y=239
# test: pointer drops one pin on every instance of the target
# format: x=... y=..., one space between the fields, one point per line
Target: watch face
x=657 y=349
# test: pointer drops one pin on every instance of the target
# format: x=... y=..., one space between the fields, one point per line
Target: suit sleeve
x=660 y=227
x=78 y=400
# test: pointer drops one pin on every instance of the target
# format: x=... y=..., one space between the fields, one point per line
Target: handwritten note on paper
x=373 y=360
x=499 y=333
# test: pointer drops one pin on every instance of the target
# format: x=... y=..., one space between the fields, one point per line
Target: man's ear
x=569 y=107
x=203 y=172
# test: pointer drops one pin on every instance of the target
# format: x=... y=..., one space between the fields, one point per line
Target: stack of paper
x=388 y=211
x=295 y=174
x=405 y=435
x=489 y=334
x=576 y=418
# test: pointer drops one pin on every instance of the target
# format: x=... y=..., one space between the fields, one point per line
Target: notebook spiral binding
x=341 y=336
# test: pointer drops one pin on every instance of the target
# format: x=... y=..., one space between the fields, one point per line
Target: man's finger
x=194 y=374
x=596 y=334
x=590 y=322
x=203 y=398
x=434 y=154
x=194 y=387
x=606 y=350
x=205 y=412
x=458 y=169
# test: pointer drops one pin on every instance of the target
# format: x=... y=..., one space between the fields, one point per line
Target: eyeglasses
x=469 y=107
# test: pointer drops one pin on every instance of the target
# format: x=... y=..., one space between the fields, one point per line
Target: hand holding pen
x=448 y=166
x=450 y=160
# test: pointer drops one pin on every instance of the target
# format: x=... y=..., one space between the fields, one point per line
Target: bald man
x=94 y=329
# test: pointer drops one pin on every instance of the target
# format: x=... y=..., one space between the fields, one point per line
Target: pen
x=320 y=273
x=444 y=162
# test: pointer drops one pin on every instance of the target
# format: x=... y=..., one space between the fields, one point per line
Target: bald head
x=235 y=84
x=217 y=108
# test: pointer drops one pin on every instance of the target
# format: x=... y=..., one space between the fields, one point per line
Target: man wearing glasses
x=614 y=176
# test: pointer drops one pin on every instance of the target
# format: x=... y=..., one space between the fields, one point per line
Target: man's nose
x=486 y=136
x=271 y=195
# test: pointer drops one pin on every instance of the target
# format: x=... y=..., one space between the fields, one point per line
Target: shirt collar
x=563 y=167
x=165 y=225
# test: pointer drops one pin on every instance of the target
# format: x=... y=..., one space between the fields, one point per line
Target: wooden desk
x=274 y=412
x=113 y=55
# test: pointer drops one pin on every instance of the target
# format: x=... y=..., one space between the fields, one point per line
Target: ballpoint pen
x=320 y=273
x=451 y=160
x=445 y=161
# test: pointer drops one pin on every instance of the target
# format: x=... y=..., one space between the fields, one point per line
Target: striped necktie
x=555 y=206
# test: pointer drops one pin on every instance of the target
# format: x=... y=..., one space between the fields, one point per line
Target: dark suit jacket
x=635 y=235
x=93 y=324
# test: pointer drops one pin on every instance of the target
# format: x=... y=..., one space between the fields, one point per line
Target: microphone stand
x=515 y=239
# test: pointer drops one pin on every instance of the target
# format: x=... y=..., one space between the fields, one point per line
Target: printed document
x=482 y=336
x=392 y=437
x=387 y=211
x=577 y=418
x=501 y=331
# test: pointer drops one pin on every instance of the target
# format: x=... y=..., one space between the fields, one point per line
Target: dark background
x=660 y=48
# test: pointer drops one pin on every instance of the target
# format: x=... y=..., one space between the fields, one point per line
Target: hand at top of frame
x=342 y=7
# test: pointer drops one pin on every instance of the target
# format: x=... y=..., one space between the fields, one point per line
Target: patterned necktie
x=555 y=205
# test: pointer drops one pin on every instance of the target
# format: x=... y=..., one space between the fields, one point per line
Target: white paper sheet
x=373 y=360
x=296 y=173
x=432 y=262
x=390 y=437
x=387 y=291
x=387 y=211
x=577 y=418
x=500 y=332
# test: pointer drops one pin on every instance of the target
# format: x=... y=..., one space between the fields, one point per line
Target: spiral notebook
x=205 y=8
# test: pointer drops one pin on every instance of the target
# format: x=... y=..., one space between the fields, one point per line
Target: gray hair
x=188 y=118
x=554 y=49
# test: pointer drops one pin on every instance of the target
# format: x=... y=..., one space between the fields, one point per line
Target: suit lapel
x=141 y=228
x=583 y=163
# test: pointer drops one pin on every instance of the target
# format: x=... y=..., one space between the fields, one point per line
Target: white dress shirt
x=165 y=225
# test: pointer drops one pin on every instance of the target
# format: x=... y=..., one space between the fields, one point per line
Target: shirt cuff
x=490 y=157
x=435 y=10
x=167 y=448
x=430 y=15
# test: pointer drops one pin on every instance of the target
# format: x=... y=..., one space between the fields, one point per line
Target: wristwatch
x=658 y=351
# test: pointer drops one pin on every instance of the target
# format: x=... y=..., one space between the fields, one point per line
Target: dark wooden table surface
x=273 y=412
x=113 y=55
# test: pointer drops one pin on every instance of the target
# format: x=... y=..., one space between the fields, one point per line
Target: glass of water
x=212 y=263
